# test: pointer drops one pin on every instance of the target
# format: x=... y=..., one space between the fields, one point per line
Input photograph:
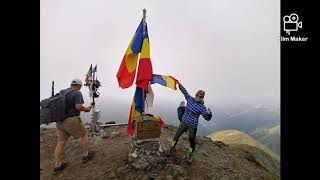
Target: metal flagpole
x=143 y=93
x=93 y=119
x=144 y=31
x=144 y=20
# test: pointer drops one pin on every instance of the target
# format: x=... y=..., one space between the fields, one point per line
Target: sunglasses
x=197 y=95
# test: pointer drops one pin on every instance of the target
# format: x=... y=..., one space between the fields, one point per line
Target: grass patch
x=249 y=157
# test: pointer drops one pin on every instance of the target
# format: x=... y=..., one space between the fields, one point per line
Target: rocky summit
x=117 y=156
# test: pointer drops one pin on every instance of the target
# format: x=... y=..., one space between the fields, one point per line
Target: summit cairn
x=146 y=151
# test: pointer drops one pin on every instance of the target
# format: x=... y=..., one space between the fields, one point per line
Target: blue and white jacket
x=193 y=110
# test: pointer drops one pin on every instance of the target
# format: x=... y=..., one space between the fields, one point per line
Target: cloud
x=228 y=48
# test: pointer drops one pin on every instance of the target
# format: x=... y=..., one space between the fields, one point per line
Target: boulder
x=175 y=170
x=115 y=134
x=140 y=164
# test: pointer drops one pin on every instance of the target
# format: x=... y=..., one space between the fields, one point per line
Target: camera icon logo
x=290 y=23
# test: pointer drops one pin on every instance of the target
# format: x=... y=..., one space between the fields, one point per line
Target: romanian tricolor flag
x=161 y=121
x=127 y=70
x=167 y=81
x=89 y=76
x=144 y=74
x=136 y=109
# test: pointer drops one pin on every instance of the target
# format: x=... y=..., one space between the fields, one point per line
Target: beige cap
x=76 y=82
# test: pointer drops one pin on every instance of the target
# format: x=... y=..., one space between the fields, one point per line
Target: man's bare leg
x=58 y=153
x=85 y=144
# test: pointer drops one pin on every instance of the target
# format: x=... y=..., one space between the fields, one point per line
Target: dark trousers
x=191 y=131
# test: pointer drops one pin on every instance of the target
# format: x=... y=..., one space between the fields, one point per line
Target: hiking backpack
x=53 y=109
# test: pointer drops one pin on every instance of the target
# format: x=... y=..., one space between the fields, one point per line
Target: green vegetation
x=238 y=137
x=268 y=137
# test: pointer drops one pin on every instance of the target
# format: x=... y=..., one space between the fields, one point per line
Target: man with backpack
x=71 y=125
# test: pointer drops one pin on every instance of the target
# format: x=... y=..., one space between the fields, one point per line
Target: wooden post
x=52 y=89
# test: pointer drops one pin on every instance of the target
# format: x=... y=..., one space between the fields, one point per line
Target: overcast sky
x=228 y=48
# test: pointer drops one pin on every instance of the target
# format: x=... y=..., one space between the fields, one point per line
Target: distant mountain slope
x=251 y=118
x=238 y=137
x=244 y=118
x=275 y=130
x=268 y=137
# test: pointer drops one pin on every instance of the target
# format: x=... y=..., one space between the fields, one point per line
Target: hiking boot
x=189 y=155
x=172 y=150
x=59 y=169
x=88 y=157
x=172 y=147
